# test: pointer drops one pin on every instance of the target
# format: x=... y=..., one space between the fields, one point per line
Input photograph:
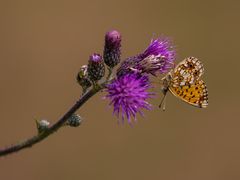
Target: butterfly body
x=184 y=82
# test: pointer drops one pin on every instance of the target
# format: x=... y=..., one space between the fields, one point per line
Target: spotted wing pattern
x=187 y=72
x=185 y=82
x=195 y=94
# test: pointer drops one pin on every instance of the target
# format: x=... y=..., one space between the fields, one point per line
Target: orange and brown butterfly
x=184 y=82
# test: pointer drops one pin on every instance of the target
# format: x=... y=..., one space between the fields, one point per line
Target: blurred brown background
x=42 y=46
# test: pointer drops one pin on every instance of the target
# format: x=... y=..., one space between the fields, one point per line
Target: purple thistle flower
x=128 y=95
x=164 y=53
x=112 y=47
x=157 y=58
x=154 y=64
x=160 y=47
x=129 y=65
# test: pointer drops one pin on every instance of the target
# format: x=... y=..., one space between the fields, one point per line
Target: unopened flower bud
x=42 y=125
x=75 y=120
x=82 y=77
x=96 y=68
x=112 y=47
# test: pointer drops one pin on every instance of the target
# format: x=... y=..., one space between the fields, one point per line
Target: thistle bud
x=75 y=120
x=112 y=51
x=96 y=68
x=42 y=125
x=82 y=77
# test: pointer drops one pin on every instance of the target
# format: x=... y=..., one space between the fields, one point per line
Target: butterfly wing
x=187 y=72
x=195 y=94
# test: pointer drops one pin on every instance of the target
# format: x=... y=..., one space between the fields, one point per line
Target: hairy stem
x=41 y=136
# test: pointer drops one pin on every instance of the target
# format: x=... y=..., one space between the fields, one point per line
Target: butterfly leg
x=163 y=101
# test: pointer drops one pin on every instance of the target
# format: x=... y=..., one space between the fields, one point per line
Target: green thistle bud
x=42 y=125
x=74 y=121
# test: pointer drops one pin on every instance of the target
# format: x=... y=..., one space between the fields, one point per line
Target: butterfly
x=184 y=82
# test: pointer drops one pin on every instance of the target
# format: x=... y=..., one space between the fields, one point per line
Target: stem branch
x=41 y=136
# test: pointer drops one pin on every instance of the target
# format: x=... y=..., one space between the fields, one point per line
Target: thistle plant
x=128 y=90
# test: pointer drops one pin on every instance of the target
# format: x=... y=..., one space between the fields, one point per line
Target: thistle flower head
x=161 y=46
x=112 y=46
x=161 y=49
x=157 y=58
x=96 y=68
x=128 y=95
x=129 y=65
x=154 y=64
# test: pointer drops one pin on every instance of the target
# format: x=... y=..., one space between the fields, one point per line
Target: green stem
x=109 y=73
